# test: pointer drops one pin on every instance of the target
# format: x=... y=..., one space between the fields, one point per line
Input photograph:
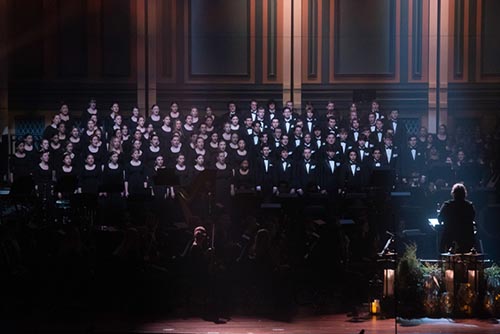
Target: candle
x=375 y=306
x=471 y=275
x=389 y=282
x=448 y=280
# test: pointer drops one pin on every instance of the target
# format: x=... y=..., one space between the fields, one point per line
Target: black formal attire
x=329 y=175
x=458 y=218
x=307 y=175
x=21 y=169
x=43 y=181
x=283 y=177
x=264 y=175
x=352 y=177
x=412 y=162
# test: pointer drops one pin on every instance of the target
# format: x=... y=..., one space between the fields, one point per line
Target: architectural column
x=444 y=59
x=4 y=89
x=287 y=46
x=297 y=54
x=141 y=55
x=433 y=53
x=152 y=7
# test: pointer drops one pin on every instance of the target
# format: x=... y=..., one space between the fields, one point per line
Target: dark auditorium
x=249 y=166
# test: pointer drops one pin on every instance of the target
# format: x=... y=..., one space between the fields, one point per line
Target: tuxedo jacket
x=306 y=179
x=412 y=163
x=263 y=177
x=350 y=181
x=283 y=173
x=329 y=175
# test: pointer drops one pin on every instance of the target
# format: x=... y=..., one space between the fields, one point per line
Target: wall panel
x=72 y=38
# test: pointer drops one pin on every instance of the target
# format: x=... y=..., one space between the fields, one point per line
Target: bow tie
x=352 y=162
x=388 y=147
x=394 y=121
x=265 y=159
x=307 y=161
x=309 y=120
x=362 y=148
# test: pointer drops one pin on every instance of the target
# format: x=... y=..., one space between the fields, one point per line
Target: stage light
x=433 y=222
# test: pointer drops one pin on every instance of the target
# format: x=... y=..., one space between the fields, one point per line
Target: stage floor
x=327 y=324
x=310 y=324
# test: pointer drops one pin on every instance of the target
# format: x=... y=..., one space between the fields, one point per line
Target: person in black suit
x=329 y=173
x=352 y=176
x=397 y=126
x=283 y=177
x=310 y=121
x=264 y=174
x=306 y=174
x=377 y=136
x=412 y=162
x=457 y=215
x=288 y=121
x=362 y=151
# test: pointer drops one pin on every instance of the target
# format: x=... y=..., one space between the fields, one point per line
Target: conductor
x=457 y=216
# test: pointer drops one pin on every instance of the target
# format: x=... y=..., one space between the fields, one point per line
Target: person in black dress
x=136 y=187
x=43 y=177
x=67 y=179
x=20 y=172
x=457 y=215
x=52 y=129
x=111 y=190
x=89 y=182
x=30 y=150
x=155 y=117
x=224 y=173
x=97 y=151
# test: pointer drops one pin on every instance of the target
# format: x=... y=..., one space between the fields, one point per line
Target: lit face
x=156 y=110
x=461 y=155
x=92 y=104
x=394 y=114
x=375 y=105
x=284 y=140
x=361 y=142
x=181 y=159
x=150 y=128
x=175 y=141
x=69 y=147
x=115 y=108
x=253 y=105
x=330 y=139
x=209 y=121
x=189 y=120
x=307 y=138
x=135 y=112
x=115 y=143
x=118 y=133
x=114 y=158
x=93 y=118
x=330 y=154
x=124 y=130
x=137 y=145
x=194 y=112
x=277 y=133
x=141 y=121
x=208 y=111
x=118 y=120
x=64 y=109
x=178 y=124
x=203 y=128
x=330 y=106
x=353 y=156
x=309 y=113
x=332 y=123
x=214 y=137
x=379 y=125
x=260 y=113
x=234 y=120
x=307 y=154
x=256 y=127
x=200 y=143
x=371 y=118
x=90 y=160
x=377 y=154
x=222 y=145
x=234 y=138
x=56 y=120
x=136 y=155
x=155 y=141
x=232 y=107
x=413 y=141
x=62 y=128
x=298 y=131
x=423 y=131
x=174 y=107
x=271 y=106
x=266 y=151
x=227 y=128
x=200 y=160
x=95 y=141
x=159 y=161
x=289 y=104
x=45 y=157
x=90 y=125
x=20 y=148
x=67 y=160
x=248 y=122
x=244 y=165
x=284 y=154
x=45 y=144
x=29 y=139
x=287 y=113
x=343 y=136
x=442 y=130
x=388 y=141
x=137 y=135
x=275 y=123
x=221 y=157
